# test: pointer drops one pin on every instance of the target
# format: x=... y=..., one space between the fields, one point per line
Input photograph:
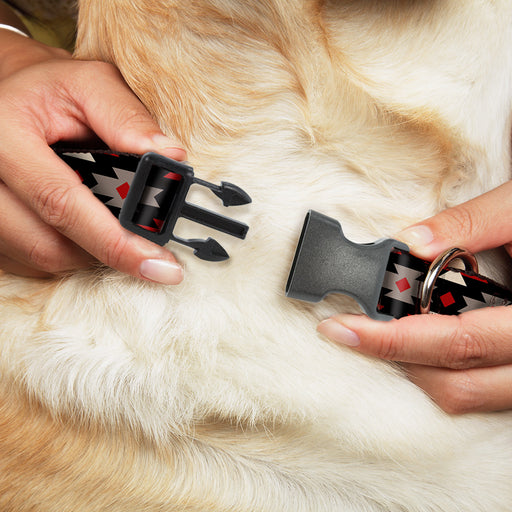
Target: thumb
x=476 y=225
x=119 y=118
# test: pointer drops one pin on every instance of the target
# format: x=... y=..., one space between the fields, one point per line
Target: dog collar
x=384 y=277
x=147 y=193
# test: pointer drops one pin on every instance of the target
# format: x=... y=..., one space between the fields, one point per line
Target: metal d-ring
x=437 y=267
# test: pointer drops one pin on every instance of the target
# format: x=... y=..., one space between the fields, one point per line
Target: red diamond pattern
x=403 y=285
x=122 y=190
x=447 y=299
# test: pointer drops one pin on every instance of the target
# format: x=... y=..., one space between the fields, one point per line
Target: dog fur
x=217 y=394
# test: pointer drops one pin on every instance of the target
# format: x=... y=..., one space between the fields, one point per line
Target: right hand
x=464 y=362
x=50 y=222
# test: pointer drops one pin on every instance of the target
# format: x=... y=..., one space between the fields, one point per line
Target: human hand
x=50 y=222
x=463 y=362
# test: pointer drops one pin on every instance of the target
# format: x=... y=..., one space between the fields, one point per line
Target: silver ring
x=437 y=267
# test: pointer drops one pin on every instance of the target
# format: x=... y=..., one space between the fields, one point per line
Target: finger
x=14 y=267
x=30 y=243
x=474 y=339
x=63 y=100
x=463 y=391
x=55 y=193
x=116 y=115
x=476 y=225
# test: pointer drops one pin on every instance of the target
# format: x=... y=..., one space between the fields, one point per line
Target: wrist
x=10 y=18
x=11 y=28
x=18 y=52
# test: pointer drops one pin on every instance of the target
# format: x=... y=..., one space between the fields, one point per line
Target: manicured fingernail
x=338 y=333
x=161 y=271
x=169 y=146
x=416 y=237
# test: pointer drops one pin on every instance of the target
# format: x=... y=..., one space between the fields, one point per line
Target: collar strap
x=147 y=193
x=384 y=277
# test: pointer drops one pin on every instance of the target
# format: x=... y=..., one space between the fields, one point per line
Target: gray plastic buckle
x=326 y=262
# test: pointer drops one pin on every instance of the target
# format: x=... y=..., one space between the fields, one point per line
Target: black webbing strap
x=455 y=291
x=109 y=176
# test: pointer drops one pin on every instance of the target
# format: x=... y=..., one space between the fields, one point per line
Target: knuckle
x=465 y=348
x=460 y=394
x=133 y=117
x=389 y=346
x=53 y=202
x=43 y=257
x=131 y=122
x=461 y=220
x=115 y=250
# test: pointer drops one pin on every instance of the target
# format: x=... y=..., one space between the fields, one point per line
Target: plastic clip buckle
x=326 y=262
x=177 y=179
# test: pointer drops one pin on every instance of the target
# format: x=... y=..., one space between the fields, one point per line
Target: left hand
x=50 y=222
x=463 y=362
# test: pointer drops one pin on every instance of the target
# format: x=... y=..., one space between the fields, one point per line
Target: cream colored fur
x=217 y=394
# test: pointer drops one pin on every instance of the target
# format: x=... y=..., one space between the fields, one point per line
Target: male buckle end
x=156 y=199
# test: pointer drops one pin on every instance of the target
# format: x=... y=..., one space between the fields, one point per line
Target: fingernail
x=338 y=333
x=416 y=237
x=169 y=146
x=161 y=271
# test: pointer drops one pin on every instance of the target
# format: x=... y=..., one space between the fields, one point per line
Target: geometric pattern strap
x=455 y=291
x=109 y=176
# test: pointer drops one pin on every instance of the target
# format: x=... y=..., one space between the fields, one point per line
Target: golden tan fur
x=218 y=395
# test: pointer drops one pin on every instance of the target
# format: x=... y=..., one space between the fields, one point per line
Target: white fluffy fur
x=407 y=113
